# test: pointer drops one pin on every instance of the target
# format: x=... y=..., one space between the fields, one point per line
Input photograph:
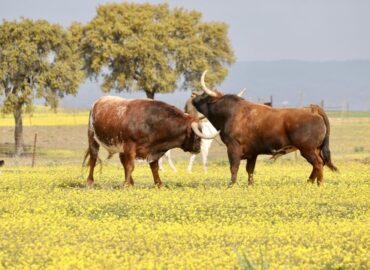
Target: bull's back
x=115 y=120
x=108 y=113
x=261 y=128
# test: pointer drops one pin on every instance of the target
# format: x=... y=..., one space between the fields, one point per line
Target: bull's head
x=210 y=98
x=201 y=100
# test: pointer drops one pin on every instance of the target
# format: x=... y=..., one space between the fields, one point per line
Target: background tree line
x=126 y=46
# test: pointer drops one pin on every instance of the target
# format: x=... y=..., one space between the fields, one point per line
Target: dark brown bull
x=249 y=129
x=139 y=128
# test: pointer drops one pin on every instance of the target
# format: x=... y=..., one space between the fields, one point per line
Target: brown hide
x=261 y=129
x=249 y=129
x=138 y=128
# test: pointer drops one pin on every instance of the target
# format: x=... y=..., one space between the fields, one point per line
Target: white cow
x=205 y=145
x=207 y=130
x=169 y=159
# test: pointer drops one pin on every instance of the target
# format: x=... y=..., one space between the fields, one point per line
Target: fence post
x=34 y=150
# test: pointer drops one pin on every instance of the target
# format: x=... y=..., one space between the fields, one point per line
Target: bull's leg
x=168 y=155
x=93 y=153
x=122 y=159
x=313 y=157
x=154 y=167
x=251 y=163
x=128 y=161
x=234 y=160
x=191 y=160
x=160 y=164
x=204 y=151
x=320 y=170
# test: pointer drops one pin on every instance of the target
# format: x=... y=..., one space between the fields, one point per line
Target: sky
x=259 y=30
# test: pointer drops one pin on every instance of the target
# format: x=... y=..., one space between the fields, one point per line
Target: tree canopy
x=153 y=48
x=37 y=60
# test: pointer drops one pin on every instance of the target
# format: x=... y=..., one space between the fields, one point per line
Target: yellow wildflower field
x=43 y=116
x=49 y=220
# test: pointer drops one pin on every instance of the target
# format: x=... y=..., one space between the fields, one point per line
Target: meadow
x=50 y=220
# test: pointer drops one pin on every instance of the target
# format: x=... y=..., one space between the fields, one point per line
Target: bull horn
x=241 y=93
x=195 y=128
x=208 y=91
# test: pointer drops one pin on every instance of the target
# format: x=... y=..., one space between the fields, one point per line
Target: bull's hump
x=111 y=99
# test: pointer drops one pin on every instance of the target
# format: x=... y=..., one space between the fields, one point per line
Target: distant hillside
x=290 y=82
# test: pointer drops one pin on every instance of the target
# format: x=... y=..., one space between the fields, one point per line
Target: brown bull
x=139 y=129
x=249 y=129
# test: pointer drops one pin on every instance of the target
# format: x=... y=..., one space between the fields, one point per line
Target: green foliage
x=37 y=60
x=151 y=47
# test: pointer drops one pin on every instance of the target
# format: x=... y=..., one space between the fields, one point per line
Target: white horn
x=241 y=93
x=208 y=91
x=195 y=128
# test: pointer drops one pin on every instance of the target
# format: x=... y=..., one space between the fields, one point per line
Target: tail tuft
x=325 y=145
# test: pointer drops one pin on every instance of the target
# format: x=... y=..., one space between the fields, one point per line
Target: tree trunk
x=18 y=131
x=150 y=94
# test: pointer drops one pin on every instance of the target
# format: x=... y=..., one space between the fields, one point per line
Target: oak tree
x=37 y=60
x=153 y=48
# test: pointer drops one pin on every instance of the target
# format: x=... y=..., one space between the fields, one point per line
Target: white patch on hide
x=121 y=111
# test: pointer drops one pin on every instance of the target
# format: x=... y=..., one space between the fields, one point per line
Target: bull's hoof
x=89 y=183
x=231 y=184
x=311 y=181
x=319 y=183
x=158 y=185
x=251 y=183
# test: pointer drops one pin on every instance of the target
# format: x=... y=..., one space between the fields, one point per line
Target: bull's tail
x=325 y=151
x=93 y=147
x=87 y=155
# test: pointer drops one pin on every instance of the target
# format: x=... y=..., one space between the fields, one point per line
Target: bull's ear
x=212 y=100
x=196 y=93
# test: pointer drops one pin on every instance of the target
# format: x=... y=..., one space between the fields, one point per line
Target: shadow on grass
x=170 y=185
x=207 y=183
x=78 y=185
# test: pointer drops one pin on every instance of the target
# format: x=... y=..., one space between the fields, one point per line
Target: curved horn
x=195 y=128
x=208 y=91
x=241 y=93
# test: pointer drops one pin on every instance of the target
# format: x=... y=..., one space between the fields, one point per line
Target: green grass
x=350 y=114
